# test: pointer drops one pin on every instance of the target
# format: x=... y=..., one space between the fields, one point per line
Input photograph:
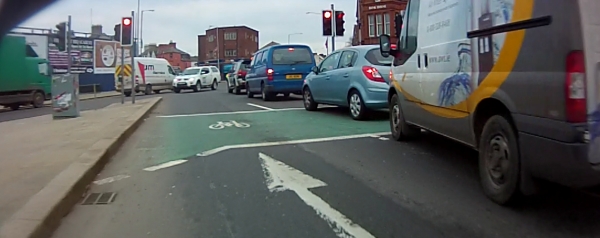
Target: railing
x=90 y=88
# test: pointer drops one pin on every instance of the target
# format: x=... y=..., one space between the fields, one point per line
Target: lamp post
x=291 y=34
x=142 y=29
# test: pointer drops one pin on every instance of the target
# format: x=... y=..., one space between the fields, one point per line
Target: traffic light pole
x=333 y=28
x=133 y=54
x=68 y=39
x=122 y=76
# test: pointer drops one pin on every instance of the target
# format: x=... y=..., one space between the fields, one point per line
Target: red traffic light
x=340 y=15
x=126 y=21
x=327 y=14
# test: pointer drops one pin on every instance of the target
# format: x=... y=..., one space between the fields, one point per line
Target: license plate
x=293 y=76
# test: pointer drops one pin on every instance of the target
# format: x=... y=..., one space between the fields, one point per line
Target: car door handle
x=346 y=75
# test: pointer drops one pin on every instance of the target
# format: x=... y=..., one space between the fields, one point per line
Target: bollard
x=94 y=85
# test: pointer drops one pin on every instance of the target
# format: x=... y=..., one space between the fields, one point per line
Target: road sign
x=126 y=70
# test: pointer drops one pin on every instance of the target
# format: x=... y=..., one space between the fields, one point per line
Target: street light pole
x=291 y=34
x=142 y=29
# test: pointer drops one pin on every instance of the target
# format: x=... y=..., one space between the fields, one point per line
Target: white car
x=197 y=78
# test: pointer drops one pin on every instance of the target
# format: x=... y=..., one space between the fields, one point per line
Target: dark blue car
x=279 y=69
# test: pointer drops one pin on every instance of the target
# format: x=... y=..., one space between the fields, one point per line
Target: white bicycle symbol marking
x=220 y=125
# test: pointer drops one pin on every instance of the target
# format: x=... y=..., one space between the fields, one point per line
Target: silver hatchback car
x=355 y=77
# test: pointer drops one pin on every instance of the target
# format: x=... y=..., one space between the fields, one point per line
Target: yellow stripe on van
x=523 y=9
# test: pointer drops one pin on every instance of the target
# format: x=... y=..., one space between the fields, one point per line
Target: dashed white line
x=110 y=179
x=259 y=106
x=165 y=165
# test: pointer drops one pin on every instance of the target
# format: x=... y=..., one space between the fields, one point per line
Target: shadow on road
x=377 y=115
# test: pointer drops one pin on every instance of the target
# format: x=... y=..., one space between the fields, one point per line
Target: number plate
x=293 y=76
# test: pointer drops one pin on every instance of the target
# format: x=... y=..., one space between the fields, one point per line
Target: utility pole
x=333 y=28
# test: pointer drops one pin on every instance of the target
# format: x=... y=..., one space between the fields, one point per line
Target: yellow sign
x=126 y=70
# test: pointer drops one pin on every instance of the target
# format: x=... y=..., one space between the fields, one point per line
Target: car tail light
x=372 y=74
x=270 y=74
x=575 y=95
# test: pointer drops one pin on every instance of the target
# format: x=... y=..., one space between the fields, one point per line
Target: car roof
x=360 y=48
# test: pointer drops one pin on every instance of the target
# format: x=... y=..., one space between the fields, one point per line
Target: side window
x=329 y=63
x=214 y=70
x=410 y=29
x=347 y=60
x=264 y=58
x=204 y=71
x=253 y=60
x=171 y=71
x=258 y=59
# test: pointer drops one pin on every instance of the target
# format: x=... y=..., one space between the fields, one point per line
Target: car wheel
x=198 y=87
x=398 y=126
x=177 y=90
x=38 y=99
x=214 y=85
x=309 y=102
x=229 y=88
x=499 y=161
x=358 y=110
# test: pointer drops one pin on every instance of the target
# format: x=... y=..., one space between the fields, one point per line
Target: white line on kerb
x=231 y=113
x=290 y=142
x=165 y=165
x=259 y=106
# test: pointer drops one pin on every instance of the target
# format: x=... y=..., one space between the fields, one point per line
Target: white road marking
x=384 y=138
x=165 y=165
x=280 y=177
x=290 y=142
x=231 y=113
x=221 y=124
x=259 y=106
x=110 y=179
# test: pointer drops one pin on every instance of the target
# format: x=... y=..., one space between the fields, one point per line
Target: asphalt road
x=176 y=177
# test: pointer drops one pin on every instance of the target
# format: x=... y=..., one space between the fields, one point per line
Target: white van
x=517 y=80
x=151 y=74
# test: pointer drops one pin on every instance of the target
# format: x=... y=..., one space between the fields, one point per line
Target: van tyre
x=127 y=94
x=400 y=129
x=198 y=86
x=499 y=161
x=309 y=101
x=248 y=93
x=214 y=85
x=266 y=96
x=356 y=106
x=156 y=91
x=148 y=89
x=38 y=99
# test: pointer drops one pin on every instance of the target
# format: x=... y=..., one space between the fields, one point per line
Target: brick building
x=234 y=42
x=376 y=17
x=179 y=59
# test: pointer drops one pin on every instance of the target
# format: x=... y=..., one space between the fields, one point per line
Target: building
x=179 y=59
x=231 y=43
x=376 y=17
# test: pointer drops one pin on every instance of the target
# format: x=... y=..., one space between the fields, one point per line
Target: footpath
x=88 y=96
x=46 y=165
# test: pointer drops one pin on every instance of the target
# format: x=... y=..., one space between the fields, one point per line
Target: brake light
x=393 y=47
x=270 y=74
x=372 y=74
x=575 y=95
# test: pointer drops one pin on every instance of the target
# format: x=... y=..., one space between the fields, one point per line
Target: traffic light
x=126 y=31
x=339 y=23
x=118 y=32
x=61 y=36
x=327 y=23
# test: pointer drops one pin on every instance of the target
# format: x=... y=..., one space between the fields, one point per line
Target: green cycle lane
x=183 y=137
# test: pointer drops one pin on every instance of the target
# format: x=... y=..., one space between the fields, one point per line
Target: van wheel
x=214 y=85
x=309 y=101
x=198 y=87
x=148 y=89
x=358 y=110
x=499 y=162
x=248 y=93
x=128 y=94
x=38 y=99
x=266 y=96
x=400 y=129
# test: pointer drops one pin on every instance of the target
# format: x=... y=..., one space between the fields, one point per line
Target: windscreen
x=292 y=55
x=190 y=71
x=374 y=57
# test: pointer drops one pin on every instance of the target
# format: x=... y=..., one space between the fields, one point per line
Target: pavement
x=47 y=164
x=213 y=164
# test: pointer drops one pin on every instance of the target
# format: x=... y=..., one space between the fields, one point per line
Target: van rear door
x=590 y=24
x=291 y=62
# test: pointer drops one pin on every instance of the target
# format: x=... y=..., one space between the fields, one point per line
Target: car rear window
x=374 y=57
x=292 y=55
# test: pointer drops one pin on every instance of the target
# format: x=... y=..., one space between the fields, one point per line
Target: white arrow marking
x=281 y=177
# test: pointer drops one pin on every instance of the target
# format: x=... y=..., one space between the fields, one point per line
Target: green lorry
x=25 y=78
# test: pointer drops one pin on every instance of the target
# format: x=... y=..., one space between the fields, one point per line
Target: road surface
x=281 y=171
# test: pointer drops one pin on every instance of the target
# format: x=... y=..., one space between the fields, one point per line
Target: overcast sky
x=182 y=21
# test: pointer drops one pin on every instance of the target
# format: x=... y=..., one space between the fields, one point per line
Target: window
x=211 y=38
x=292 y=56
x=189 y=71
x=230 y=53
x=258 y=58
x=386 y=22
x=371 y=20
x=374 y=57
x=408 y=36
x=214 y=69
x=171 y=71
x=347 y=59
x=230 y=35
x=329 y=63
x=379 y=23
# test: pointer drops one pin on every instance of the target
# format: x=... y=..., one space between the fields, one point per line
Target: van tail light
x=270 y=74
x=575 y=95
x=372 y=74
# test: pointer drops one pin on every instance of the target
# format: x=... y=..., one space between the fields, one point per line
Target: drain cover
x=99 y=198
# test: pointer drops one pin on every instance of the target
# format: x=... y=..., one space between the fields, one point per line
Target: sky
x=181 y=21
